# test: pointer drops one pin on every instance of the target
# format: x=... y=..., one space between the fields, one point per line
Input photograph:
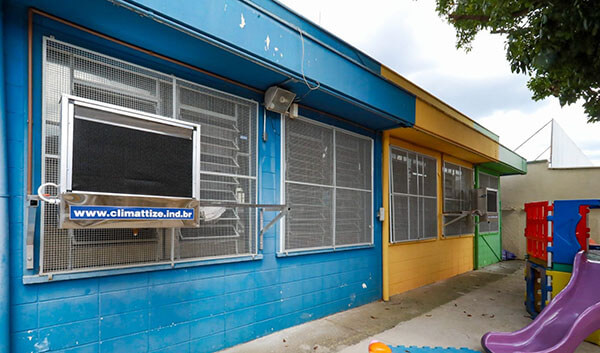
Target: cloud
x=479 y=97
x=410 y=38
x=393 y=43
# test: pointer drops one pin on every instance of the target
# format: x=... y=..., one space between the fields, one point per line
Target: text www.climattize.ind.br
x=91 y=212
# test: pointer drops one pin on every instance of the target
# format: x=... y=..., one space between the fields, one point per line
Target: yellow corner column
x=385 y=233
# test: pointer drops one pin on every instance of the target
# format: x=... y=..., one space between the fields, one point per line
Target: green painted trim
x=562 y=267
x=511 y=158
x=510 y=163
x=486 y=132
x=483 y=168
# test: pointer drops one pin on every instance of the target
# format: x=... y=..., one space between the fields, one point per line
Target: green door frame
x=487 y=246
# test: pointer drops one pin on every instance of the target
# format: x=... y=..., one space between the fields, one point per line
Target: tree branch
x=483 y=18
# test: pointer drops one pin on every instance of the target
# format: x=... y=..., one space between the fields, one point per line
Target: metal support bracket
x=461 y=215
x=33 y=202
x=283 y=211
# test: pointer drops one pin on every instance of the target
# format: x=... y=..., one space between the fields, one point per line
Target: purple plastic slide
x=571 y=317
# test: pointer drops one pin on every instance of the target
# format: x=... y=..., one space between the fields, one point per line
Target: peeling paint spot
x=267 y=43
x=364 y=285
x=276 y=49
x=305 y=316
x=281 y=55
x=42 y=346
x=242 y=21
x=225 y=8
x=30 y=337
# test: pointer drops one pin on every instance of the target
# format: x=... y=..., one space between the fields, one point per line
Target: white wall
x=540 y=184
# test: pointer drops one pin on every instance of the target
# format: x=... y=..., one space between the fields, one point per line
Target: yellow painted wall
x=420 y=263
x=439 y=120
x=414 y=264
x=436 y=122
x=445 y=134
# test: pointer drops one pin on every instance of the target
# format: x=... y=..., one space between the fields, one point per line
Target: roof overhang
x=255 y=44
x=509 y=162
x=262 y=44
x=435 y=129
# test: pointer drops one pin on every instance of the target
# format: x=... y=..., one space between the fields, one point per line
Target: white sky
x=409 y=37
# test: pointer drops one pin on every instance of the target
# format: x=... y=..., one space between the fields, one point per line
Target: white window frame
x=408 y=194
x=444 y=197
x=497 y=190
x=334 y=187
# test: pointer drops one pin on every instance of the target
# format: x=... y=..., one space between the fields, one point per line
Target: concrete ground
x=451 y=313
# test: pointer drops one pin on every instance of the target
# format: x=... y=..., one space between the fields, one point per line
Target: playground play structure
x=561 y=275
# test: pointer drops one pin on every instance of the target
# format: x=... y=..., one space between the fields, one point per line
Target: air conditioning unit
x=487 y=204
x=122 y=168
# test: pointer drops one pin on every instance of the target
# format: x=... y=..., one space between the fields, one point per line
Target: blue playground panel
x=565 y=218
x=535 y=302
x=413 y=349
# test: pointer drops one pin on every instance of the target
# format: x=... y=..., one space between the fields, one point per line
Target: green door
x=488 y=236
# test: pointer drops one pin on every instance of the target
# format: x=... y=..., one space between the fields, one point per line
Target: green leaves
x=556 y=43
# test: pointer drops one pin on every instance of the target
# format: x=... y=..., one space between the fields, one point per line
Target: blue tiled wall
x=196 y=309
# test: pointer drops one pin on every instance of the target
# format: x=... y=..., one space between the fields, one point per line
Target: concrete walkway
x=452 y=313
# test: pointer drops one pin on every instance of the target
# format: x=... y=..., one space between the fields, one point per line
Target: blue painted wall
x=4 y=233
x=212 y=37
x=197 y=309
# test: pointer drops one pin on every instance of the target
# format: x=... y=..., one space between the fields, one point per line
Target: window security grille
x=492 y=182
x=228 y=162
x=413 y=196
x=458 y=188
x=328 y=187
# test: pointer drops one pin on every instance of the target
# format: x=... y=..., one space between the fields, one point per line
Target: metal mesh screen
x=353 y=174
x=489 y=181
x=227 y=171
x=413 y=196
x=353 y=217
x=83 y=73
x=458 y=188
x=308 y=153
x=328 y=187
x=352 y=161
x=309 y=221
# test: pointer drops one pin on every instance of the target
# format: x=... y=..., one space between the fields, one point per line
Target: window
x=491 y=183
x=458 y=189
x=413 y=182
x=328 y=187
x=227 y=170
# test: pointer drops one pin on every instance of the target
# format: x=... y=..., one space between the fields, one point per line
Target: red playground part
x=536 y=229
x=582 y=232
